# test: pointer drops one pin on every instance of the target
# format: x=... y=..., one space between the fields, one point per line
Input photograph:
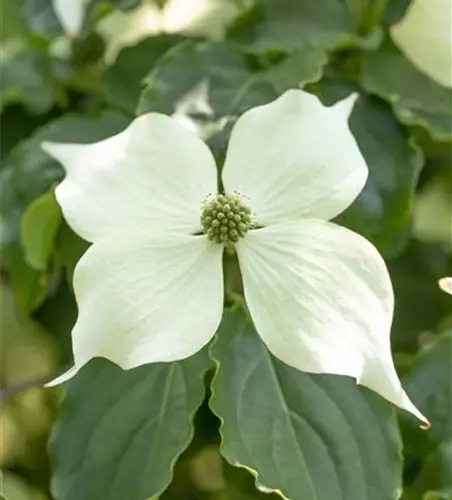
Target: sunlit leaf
x=39 y=227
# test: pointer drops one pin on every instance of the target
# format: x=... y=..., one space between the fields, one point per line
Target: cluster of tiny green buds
x=225 y=219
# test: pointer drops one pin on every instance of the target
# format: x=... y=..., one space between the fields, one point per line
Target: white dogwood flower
x=424 y=36
x=150 y=288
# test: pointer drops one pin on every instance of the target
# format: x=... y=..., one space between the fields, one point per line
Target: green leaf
x=30 y=285
x=120 y=432
x=11 y=24
x=35 y=171
x=25 y=77
x=382 y=212
x=435 y=479
x=215 y=83
x=395 y=10
x=296 y=70
x=292 y=24
x=39 y=227
x=14 y=487
x=414 y=276
x=173 y=82
x=428 y=383
x=40 y=17
x=415 y=98
x=16 y=125
x=311 y=437
x=122 y=81
x=369 y=14
x=69 y=248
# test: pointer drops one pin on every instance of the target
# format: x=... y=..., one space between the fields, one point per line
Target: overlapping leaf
x=121 y=432
x=208 y=85
x=122 y=82
x=292 y=24
x=415 y=98
x=429 y=383
x=311 y=437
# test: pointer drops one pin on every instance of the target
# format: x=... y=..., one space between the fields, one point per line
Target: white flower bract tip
x=70 y=13
x=446 y=285
x=150 y=288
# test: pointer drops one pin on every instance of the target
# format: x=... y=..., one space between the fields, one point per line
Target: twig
x=13 y=390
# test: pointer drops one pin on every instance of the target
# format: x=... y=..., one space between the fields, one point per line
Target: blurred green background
x=125 y=59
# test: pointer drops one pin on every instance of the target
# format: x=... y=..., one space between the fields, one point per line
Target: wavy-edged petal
x=155 y=174
x=295 y=157
x=424 y=35
x=145 y=299
x=321 y=299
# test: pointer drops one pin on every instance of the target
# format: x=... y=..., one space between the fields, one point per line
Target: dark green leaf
x=415 y=98
x=216 y=83
x=395 y=10
x=292 y=24
x=435 y=479
x=428 y=383
x=120 y=432
x=25 y=78
x=312 y=437
x=296 y=70
x=419 y=303
x=40 y=17
x=175 y=80
x=16 y=125
x=382 y=212
x=69 y=248
x=122 y=82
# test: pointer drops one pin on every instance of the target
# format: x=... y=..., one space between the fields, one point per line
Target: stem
x=13 y=390
x=373 y=15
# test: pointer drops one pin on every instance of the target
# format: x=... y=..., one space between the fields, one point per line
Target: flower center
x=225 y=219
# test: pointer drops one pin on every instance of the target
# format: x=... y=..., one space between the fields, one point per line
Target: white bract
x=150 y=288
x=424 y=35
x=446 y=284
x=70 y=13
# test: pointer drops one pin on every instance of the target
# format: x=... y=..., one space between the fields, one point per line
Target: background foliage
x=189 y=430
